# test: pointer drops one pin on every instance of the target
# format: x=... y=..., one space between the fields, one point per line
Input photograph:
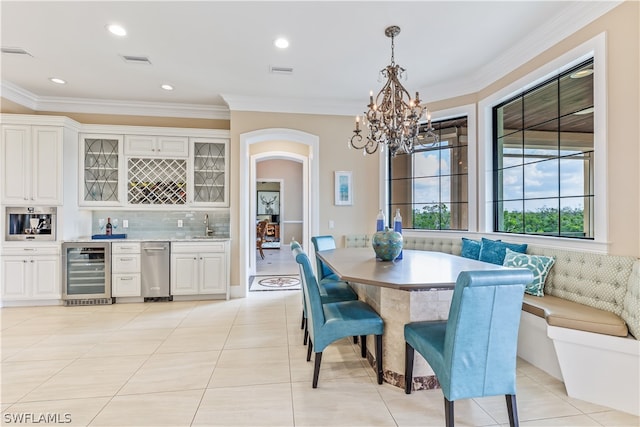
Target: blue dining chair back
x=331 y=289
x=324 y=243
x=329 y=322
x=473 y=353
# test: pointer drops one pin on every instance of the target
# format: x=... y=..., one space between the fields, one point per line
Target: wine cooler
x=86 y=273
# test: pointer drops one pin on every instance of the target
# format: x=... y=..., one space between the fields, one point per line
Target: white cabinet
x=125 y=269
x=200 y=268
x=150 y=168
x=156 y=146
x=32 y=164
x=101 y=165
x=209 y=178
x=31 y=273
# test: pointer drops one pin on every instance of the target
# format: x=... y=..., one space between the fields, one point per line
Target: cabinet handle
x=24 y=261
x=126 y=278
x=195 y=259
x=29 y=249
x=32 y=261
x=126 y=259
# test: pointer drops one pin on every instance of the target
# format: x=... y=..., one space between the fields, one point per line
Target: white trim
x=310 y=178
x=293 y=105
x=99 y=106
x=596 y=48
x=560 y=26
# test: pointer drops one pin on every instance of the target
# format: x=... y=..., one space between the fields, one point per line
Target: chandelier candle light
x=394 y=118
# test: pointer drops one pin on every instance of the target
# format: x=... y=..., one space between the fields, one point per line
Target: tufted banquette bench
x=584 y=330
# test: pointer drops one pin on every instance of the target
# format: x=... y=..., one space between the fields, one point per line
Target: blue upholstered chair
x=332 y=321
x=331 y=288
x=473 y=353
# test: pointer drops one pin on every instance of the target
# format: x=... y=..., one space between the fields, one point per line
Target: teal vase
x=387 y=244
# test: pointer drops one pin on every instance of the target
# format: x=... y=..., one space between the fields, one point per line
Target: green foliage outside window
x=545 y=221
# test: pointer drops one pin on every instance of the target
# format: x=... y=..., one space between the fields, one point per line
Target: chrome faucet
x=207 y=230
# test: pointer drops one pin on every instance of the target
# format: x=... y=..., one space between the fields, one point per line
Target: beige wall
x=623 y=65
x=623 y=139
x=333 y=132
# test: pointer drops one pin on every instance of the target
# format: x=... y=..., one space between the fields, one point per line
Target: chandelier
x=394 y=118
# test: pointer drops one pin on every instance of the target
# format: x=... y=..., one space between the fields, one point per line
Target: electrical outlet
x=331 y=224
x=179 y=223
x=125 y=223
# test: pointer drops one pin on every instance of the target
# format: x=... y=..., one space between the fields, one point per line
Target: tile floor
x=227 y=363
x=276 y=262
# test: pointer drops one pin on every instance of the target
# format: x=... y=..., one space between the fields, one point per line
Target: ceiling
x=218 y=55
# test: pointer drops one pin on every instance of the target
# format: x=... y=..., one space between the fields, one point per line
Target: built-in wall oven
x=30 y=223
x=86 y=273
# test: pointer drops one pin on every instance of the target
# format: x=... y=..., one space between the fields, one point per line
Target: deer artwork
x=268 y=204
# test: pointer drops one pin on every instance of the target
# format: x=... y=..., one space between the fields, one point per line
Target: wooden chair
x=261 y=232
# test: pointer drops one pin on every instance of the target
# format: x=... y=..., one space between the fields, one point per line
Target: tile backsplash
x=162 y=224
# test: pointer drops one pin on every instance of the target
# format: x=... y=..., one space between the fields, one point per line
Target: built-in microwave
x=30 y=223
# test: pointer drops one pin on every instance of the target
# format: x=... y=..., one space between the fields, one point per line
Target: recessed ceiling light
x=116 y=29
x=166 y=87
x=58 y=80
x=281 y=43
x=582 y=73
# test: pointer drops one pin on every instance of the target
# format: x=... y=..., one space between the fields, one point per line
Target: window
x=430 y=186
x=543 y=166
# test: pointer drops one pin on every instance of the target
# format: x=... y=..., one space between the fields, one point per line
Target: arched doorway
x=306 y=152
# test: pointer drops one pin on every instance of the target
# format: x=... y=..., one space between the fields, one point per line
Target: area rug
x=275 y=283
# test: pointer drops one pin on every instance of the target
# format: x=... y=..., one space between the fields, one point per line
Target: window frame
x=469 y=111
x=594 y=48
x=554 y=84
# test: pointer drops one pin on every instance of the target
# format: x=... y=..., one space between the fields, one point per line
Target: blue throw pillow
x=539 y=266
x=494 y=251
x=470 y=248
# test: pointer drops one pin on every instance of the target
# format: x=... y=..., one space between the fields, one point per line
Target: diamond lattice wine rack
x=157 y=181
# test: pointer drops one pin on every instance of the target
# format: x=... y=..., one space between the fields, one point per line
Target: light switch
x=179 y=223
x=125 y=223
x=331 y=223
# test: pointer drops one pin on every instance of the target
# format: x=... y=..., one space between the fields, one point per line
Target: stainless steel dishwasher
x=154 y=266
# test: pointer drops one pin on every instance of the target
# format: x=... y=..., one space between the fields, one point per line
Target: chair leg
x=448 y=413
x=316 y=369
x=513 y=410
x=306 y=334
x=408 y=367
x=379 y=357
x=303 y=321
x=309 y=350
x=355 y=339
x=363 y=346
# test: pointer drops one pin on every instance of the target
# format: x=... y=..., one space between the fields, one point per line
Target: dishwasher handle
x=161 y=248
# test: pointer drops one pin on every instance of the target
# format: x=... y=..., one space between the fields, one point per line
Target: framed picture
x=268 y=203
x=343 y=188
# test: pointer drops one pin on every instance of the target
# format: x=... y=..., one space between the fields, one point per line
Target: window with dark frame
x=430 y=186
x=543 y=158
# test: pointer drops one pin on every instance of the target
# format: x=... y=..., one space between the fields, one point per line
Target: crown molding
x=556 y=29
x=18 y=95
x=98 y=106
x=292 y=105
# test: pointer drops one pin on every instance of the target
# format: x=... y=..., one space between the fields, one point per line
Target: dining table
x=417 y=287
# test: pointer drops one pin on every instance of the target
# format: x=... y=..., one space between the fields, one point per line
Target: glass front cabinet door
x=101 y=164
x=210 y=178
